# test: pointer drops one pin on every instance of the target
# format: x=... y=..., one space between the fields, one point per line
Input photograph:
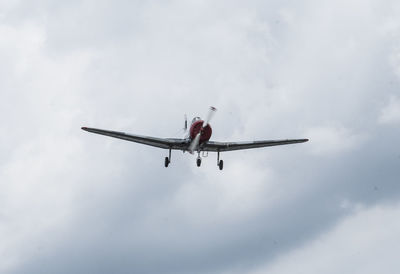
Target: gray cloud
x=73 y=202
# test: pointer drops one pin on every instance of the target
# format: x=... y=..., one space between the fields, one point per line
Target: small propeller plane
x=196 y=140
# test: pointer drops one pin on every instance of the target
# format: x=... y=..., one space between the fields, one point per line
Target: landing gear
x=220 y=163
x=198 y=161
x=167 y=159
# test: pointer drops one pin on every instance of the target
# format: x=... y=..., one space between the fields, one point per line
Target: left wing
x=167 y=143
x=228 y=146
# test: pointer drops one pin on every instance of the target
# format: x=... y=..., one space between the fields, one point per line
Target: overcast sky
x=75 y=202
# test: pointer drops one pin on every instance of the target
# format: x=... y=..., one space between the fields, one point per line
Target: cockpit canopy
x=195 y=119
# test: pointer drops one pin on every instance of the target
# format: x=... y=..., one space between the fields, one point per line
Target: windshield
x=195 y=119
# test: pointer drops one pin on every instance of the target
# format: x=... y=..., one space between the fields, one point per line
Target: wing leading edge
x=229 y=146
x=183 y=144
x=167 y=143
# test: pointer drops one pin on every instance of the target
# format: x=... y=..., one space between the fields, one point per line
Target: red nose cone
x=196 y=128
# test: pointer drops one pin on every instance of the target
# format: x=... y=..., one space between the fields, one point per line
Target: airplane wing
x=228 y=146
x=167 y=143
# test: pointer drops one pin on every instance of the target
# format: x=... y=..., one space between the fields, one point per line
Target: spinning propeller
x=196 y=140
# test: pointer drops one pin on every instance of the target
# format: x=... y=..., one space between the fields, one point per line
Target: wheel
x=221 y=164
x=166 y=162
x=198 y=162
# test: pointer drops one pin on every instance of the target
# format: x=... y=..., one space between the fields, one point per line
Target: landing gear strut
x=220 y=163
x=167 y=159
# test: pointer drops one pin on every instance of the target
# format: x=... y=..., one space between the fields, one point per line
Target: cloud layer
x=75 y=202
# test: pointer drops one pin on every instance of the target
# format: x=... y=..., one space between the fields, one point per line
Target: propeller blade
x=195 y=142
x=186 y=124
x=209 y=116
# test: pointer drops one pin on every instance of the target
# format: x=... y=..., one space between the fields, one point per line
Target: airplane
x=196 y=140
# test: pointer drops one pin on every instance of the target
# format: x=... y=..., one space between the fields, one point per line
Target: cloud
x=371 y=248
x=75 y=202
x=333 y=140
x=390 y=114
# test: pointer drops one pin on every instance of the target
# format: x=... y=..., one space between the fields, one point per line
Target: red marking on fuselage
x=196 y=127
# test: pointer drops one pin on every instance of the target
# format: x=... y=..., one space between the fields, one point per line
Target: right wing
x=167 y=143
x=228 y=146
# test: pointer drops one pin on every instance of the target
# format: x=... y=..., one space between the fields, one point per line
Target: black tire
x=166 y=162
x=198 y=162
x=221 y=165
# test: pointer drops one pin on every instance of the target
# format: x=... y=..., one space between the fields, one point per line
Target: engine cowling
x=196 y=128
